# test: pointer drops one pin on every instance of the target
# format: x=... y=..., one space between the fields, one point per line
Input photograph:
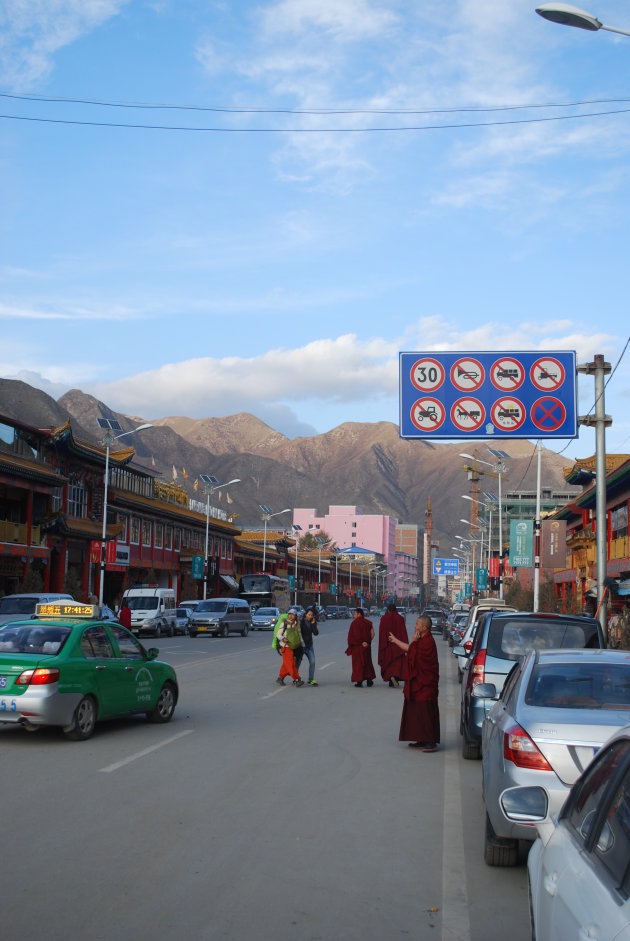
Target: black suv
x=502 y=639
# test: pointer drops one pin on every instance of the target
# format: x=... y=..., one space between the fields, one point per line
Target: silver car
x=556 y=710
x=264 y=619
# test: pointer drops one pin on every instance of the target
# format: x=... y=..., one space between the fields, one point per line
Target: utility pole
x=600 y=421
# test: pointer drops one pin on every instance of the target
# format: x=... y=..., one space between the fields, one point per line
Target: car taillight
x=519 y=748
x=42 y=676
x=478 y=669
x=468 y=646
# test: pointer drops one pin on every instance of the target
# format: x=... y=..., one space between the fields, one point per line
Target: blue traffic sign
x=449 y=567
x=488 y=395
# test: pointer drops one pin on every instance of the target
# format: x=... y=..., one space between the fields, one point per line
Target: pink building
x=349 y=527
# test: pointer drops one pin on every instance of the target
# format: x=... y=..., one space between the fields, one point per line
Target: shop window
x=159 y=535
x=146 y=532
x=134 y=538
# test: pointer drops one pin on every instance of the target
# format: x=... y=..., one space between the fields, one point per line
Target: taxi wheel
x=224 y=631
x=83 y=721
x=165 y=705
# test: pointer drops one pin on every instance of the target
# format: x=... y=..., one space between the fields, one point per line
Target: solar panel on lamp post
x=211 y=484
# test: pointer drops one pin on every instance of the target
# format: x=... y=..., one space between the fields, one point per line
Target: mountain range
x=358 y=464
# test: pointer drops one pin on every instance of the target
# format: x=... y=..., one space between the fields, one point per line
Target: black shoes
x=358 y=685
x=370 y=682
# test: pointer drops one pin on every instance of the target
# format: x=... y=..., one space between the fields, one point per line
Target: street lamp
x=499 y=469
x=211 y=485
x=321 y=542
x=296 y=530
x=267 y=515
x=109 y=426
x=568 y=15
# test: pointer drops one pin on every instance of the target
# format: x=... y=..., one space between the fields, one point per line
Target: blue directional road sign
x=446 y=567
x=488 y=395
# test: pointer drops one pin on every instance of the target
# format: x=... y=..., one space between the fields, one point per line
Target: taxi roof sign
x=67 y=609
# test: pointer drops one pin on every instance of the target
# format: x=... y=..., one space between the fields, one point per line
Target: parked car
x=502 y=639
x=468 y=637
x=579 y=867
x=264 y=619
x=320 y=610
x=183 y=619
x=437 y=619
x=557 y=709
x=331 y=612
x=299 y=610
x=190 y=603
x=457 y=628
x=343 y=611
x=16 y=607
x=71 y=669
x=220 y=617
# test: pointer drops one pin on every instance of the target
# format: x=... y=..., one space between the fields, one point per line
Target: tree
x=314 y=540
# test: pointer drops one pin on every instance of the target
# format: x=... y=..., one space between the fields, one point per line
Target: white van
x=152 y=609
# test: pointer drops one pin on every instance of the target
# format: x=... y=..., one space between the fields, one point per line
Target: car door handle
x=585 y=934
x=128 y=669
x=551 y=884
x=100 y=667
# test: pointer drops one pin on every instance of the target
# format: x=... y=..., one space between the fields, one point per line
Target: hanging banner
x=553 y=549
x=493 y=567
x=521 y=543
x=482 y=579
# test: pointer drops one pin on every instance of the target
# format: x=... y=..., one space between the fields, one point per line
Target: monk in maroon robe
x=420 y=723
x=360 y=638
x=392 y=659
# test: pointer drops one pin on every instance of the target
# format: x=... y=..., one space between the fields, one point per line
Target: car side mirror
x=485 y=691
x=459 y=651
x=152 y=653
x=529 y=805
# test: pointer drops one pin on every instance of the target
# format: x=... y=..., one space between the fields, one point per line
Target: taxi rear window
x=36 y=639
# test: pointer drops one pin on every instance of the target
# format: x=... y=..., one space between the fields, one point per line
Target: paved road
x=258 y=812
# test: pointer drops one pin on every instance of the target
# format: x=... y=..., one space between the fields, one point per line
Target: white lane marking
x=331 y=664
x=455 y=917
x=144 y=752
x=273 y=693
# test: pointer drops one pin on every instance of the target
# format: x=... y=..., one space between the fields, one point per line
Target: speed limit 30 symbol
x=427 y=414
x=427 y=374
x=507 y=414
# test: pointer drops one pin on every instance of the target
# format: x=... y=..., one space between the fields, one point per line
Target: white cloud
x=33 y=31
x=343 y=20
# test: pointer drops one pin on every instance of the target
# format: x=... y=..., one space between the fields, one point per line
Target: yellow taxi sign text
x=67 y=609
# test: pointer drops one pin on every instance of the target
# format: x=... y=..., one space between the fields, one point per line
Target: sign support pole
x=537 y=534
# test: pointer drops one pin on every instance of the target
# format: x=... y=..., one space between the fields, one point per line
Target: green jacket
x=277 y=625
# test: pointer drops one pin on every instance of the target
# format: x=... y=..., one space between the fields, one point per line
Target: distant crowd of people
x=411 y=662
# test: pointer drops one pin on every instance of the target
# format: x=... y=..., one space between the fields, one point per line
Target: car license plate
x=3 y=682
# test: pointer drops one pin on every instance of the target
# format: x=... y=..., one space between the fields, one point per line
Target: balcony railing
x=16 y=533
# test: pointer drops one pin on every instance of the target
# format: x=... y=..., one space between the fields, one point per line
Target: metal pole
x=319 y=576
x=265 y=546
x=296 y=570
x=103 y=543
x=537 y=534
x=206 y=572
x=500 y=541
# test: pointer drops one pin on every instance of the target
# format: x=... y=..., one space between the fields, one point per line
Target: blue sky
x=278 y=265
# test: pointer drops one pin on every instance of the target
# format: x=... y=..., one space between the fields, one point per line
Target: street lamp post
x=499 y=469
x=568 y=15
x=109 y=426
x=267 y=515
x=296 y=532
x=211 y=485
x=321 y=542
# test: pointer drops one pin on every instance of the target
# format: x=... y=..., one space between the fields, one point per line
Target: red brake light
x=478 y=669
x=42 y=676
x=519 y=748
x=468 y=646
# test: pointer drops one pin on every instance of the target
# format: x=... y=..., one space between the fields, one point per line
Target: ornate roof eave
x=75 y=526
x=582 y=471
x=64 y=436
x=178 y=514
x=31 y=470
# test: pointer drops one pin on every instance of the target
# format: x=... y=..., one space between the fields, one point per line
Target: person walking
x=360 y=637
x=420 y=722
x=289 y=638
x=276 y=628
x=309 y=627
x=392 y=659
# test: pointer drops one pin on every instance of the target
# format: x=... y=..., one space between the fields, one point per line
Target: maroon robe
x=362 y=666
x=421 y=717
x=391 y=659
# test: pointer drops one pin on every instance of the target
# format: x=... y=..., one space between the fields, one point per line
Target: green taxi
x=66 y=667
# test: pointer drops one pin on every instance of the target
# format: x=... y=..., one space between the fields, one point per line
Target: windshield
x=580 y=686
x=36 y=639
x=267 y=612
x=142 y=602
x=255 y=583
x=213 y=607
x=17 y=605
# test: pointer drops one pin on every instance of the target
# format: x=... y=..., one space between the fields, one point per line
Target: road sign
x=507 y=374
x=468 y=414
x=427 y=374
x=488 y=394
x=427 y=414
x=448 y=567
x=467 y=374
